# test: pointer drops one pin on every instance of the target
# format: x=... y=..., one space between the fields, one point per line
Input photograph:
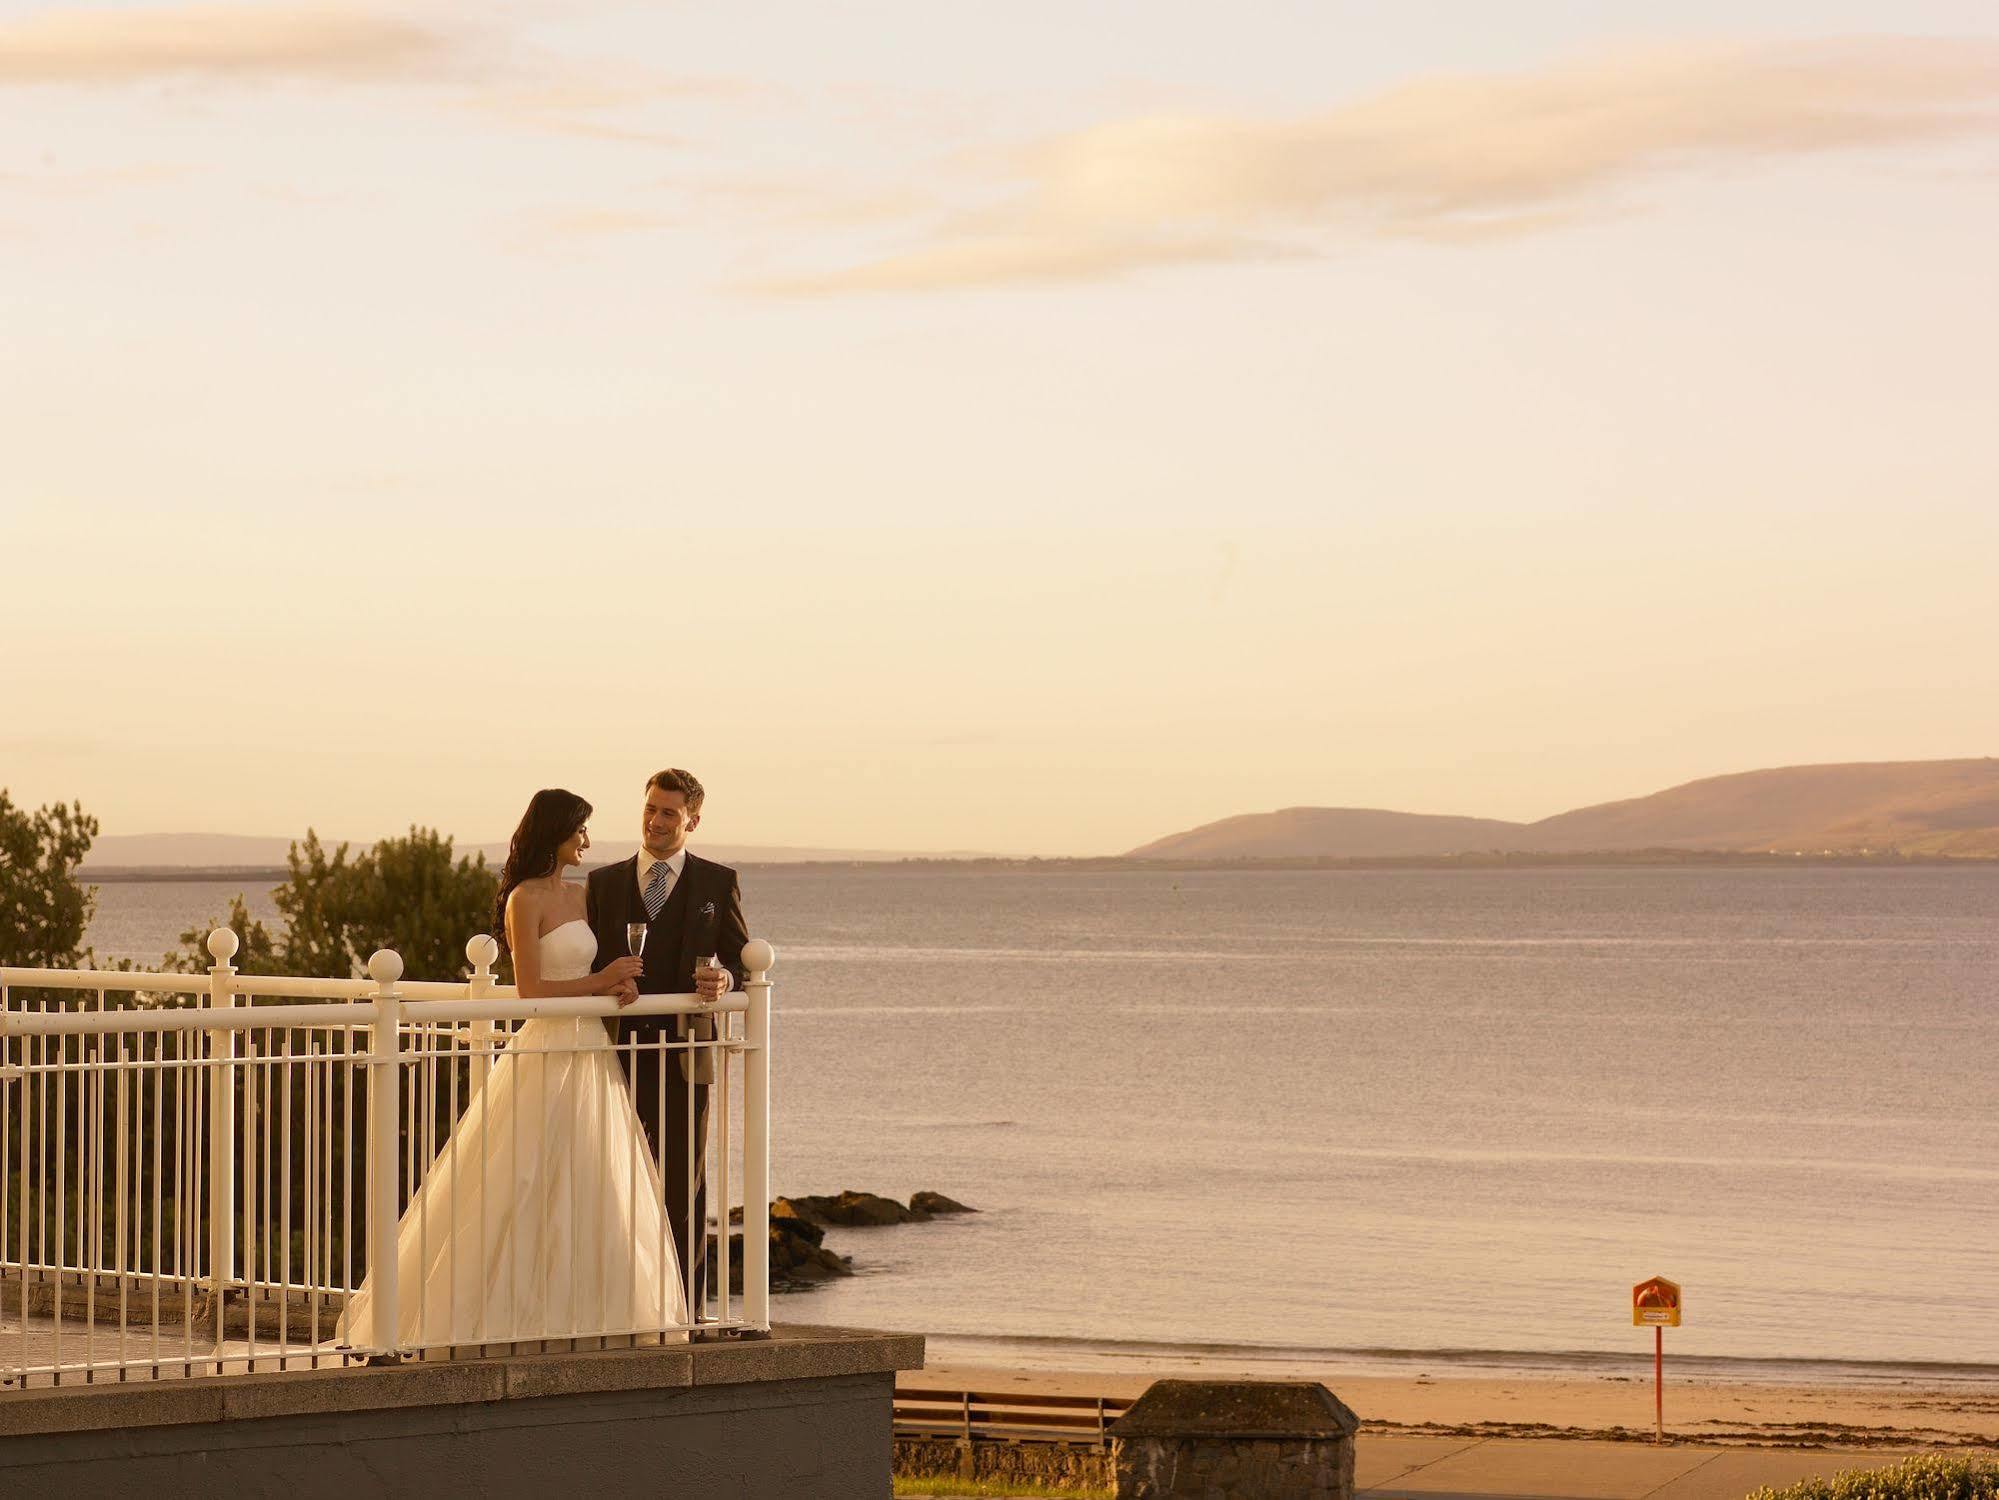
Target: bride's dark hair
x=552 y=818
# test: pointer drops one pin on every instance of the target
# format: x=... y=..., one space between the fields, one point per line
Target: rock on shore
x=798 y=1254
x=857 y=1210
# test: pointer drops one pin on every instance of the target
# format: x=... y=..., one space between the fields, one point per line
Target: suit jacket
x=703 y=915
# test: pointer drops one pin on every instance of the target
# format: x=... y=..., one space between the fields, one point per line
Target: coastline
x=1082 y=1356
x=1891 y=1413
x=1658 y=858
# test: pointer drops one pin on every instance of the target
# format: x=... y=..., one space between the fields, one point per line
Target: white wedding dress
x=543 y=1216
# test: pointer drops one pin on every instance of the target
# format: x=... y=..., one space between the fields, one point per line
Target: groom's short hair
x=673 y=779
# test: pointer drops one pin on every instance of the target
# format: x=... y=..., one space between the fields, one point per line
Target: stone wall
x=804 y=1413
x=1268 y=1468
x=1051 y=1464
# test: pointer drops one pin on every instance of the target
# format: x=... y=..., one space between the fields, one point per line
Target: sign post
x=1655 y=1304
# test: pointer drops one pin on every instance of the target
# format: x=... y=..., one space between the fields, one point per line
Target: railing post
x=482 y=953
x=385 y=967
x=221 y=1127
x=758 y=956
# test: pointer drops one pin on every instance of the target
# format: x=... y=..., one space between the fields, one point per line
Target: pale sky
x=1034 y=427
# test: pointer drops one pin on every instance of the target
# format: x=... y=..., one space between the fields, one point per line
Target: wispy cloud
x=103 y=46
x=552 y=227
x=88 y=182
x=462 y=59
x=1446 y=159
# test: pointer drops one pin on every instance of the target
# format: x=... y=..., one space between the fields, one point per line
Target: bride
x=543 y=1216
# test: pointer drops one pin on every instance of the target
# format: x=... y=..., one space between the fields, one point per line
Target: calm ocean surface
x=1376 y=1111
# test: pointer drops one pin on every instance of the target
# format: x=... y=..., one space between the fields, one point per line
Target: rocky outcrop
x=798 y=1254
x=852 y=1209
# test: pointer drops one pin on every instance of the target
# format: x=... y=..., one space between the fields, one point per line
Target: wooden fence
x=1016 y=1417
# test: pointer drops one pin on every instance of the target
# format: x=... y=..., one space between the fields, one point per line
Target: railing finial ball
x=483 y=951
x=758 y=956
x=385 y=966
x=222 y=945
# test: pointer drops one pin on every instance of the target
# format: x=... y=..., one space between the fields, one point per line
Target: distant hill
x=215 y=851
x=1937 y=807
x=1335 y=832
x=1915 y=806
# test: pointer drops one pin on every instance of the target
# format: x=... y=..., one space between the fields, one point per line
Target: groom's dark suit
x=703 y=914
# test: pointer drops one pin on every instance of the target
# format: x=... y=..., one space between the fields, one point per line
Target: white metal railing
x=202 y=1172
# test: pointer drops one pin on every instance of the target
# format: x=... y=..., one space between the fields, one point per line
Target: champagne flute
x=711 y=964
x=635 y=938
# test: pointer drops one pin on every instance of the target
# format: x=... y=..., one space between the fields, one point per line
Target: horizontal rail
x=1017 y=1399
x=126 y=1022
x=1016 y=1417
x=275 y=986
x=104 y=979
x=502 y=1005
x=333 y=1016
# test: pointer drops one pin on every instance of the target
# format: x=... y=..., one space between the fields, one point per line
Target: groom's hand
x=712 y=984
x=625 y=994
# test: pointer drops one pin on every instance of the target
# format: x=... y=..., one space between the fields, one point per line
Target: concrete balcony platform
x=805 y=1413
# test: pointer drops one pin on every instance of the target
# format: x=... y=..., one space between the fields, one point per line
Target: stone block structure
x=1218 y=1440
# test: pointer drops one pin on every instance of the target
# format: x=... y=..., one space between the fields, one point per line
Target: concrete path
x=1441 y=1468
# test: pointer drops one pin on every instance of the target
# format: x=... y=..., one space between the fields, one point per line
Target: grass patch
x=1928 y=1478
x=944 y=1486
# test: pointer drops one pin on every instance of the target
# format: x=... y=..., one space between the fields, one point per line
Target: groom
x=692 y=908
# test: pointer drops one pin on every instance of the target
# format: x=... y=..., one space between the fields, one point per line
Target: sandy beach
x=1903 y=1414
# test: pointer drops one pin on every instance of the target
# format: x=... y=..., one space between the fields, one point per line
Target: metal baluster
x=20 y=1049
x=90 y=1184
x=586 y=1064
x=62 y=1184
x=347 y=1170
x=722 y=1157
x=159 y=1264
x=218 y=1082
x=319 y=1191
x=482 y=952
x=632 y=1151
x=186 y=1221
x=659 y=1150
x=384 y=1068
x=122 y=1219
x=758 y=958
x=575 y=1257
x=690 y=1149
x=425 y=1084
x=284 y=1220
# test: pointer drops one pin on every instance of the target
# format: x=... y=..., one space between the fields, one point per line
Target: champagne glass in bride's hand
x=635 y=938
x=703 y=968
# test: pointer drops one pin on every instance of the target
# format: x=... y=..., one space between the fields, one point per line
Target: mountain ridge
x=1943 y=807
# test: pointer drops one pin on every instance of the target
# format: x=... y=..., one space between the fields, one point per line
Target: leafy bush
x=44 y=908
x=410 y=894
x=1928 y=1478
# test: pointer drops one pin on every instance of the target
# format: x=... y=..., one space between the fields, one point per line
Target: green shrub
x=1928 y=1478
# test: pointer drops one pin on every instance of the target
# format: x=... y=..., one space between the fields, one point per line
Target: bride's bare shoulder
x=524 y=904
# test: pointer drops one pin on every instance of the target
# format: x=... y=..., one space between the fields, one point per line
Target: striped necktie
x=655 y=895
